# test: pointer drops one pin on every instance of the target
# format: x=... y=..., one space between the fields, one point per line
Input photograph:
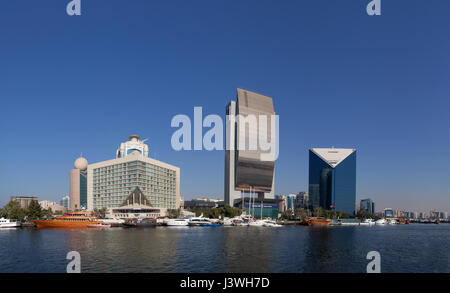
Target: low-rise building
x=24 y=201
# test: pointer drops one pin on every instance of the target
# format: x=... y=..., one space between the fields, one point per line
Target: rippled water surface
x=403 y=248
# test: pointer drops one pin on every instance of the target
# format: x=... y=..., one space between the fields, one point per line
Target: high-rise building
x=302 y=200
x=110 y=182
x=65 y=202
x=332 y=179
x=78 y=185
x=367 y=205
x=291 y=201
x=245 y=169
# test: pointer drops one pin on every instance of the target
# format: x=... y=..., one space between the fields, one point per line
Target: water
x=403 y=248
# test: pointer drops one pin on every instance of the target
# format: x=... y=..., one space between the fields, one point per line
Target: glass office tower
x=332 y=179
x=367 y=205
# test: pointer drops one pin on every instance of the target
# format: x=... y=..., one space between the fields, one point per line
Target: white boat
x=381 y=222
x=367 y=222
x=271 y=224
x=178 y=222
x=393 y=222
x=7 y=223
x=257 y=223
x=112 y=221
x=100 y=225
x=197 y=221
x=227 y=222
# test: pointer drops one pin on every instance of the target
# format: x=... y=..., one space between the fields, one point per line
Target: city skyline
x=338 y=78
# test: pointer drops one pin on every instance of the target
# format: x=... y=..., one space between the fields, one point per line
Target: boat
x=381 y=222
x=140 y=223
x=7 y=223
x=100 y=225
x=197 y=221
x=367 y=222
x=269 y=223
x=114 y=222
x=178 y=222
x=257 y=223
x=318 y=221
x=393 y=222
x=227 y=222
x=69 y=220
x=349 y=222
x=210 y=225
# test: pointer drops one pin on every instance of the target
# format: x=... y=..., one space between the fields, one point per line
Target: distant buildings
x=65 y=202
x=292 y=201
x=388 y=213
x=291 y=198
x=109 y=183
x=332 y=179
x=24 y=201
x=245 y=170
x=302 y=200
x=46 y=204
x=203 y=203
x=367 y=205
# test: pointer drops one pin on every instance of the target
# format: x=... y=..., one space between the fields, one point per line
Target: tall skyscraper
x=332 y=179
x=78 y=185
x=244 y=167
x=367 y=205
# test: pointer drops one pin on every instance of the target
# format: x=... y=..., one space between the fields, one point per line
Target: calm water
x=403 y=248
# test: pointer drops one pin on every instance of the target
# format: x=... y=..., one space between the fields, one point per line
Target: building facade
x=24 y=201
x=78 y=185
x=110 y=182
x=65 y=202
x=332 y=179
x=367 y=205
x=248 y=169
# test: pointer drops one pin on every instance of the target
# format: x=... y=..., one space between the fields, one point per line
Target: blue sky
x=337 y=76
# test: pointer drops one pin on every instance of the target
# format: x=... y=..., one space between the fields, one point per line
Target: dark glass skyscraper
x=332 y=179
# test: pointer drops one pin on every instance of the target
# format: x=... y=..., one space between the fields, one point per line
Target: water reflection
x=403 y=248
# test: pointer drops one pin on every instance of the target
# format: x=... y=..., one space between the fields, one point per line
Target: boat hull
x=63 y=224
x=9 y=225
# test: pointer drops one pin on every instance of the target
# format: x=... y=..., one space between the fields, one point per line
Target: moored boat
x=269 y=223
x=69 y=220
x=209 y=225
x=257 y=223
x=100 y=225
x=318 y=221
x=140 y=223
x=178 y=222
x=114 y=222
x=197 y=221
x=367 y=222
x=381 y=222
x=7 y=223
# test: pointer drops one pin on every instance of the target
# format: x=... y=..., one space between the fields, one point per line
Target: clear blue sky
x=338 y=77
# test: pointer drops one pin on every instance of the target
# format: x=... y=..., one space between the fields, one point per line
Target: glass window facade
x=112 y=184
x=83 y=190
x=332 y=188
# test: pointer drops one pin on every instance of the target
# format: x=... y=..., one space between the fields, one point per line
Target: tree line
x=12 y=210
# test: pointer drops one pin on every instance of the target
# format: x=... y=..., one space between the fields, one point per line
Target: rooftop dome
x=81 y=164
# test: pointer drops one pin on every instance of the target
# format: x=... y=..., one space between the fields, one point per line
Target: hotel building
x=110 y=183
x=332 y=179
